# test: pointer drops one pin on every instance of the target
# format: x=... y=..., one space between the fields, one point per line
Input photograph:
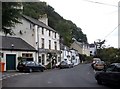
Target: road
x=79 y=76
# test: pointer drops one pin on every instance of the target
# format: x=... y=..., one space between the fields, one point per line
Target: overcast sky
x=97 y=20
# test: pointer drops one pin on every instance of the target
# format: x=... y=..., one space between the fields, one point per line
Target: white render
x=66 y=54
x=82 y=48
x=17 y=53
x=86 y=49
x=32 y=34
x=93 y=50
x=75 y=57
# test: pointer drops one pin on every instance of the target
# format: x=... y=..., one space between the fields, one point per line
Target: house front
x=82 y=48
x=65 y=54
x=12 y=49
x=75 y=56
x=43 y=38
x=92 y=49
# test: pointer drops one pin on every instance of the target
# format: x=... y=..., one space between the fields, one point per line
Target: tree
x=110 y=55
x=11 y=12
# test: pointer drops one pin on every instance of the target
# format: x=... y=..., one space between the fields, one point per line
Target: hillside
x=66 y=28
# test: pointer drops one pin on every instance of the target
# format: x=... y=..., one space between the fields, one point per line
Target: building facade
x=92 y=49
x=40 y=36
x=82 y=48
x=12 y=49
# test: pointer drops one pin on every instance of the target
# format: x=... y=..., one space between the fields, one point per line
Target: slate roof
x=19 y=44
x=37 y=22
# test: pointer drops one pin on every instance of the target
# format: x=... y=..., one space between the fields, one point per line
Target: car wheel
x=20 y=70
x=42 y=70
x=30 y=70
x=99 y=82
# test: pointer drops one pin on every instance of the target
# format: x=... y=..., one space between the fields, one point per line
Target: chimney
x=44 y=19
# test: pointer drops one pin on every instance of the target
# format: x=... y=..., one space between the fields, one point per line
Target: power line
x=101 y=3
x=111 y=31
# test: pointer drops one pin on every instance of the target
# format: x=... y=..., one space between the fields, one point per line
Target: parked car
x=57 y=65
x=110 y=75
x=64 y=64
x=94 y=61
x=99 y=65
x=29 y=66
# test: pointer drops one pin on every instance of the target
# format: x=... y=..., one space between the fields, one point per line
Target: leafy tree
x=11 y=12
x=110 y=55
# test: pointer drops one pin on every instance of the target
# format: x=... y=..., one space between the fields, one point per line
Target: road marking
x=5 y=76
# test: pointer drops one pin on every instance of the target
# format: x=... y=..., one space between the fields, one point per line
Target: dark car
x=64 y=64
x=29 y=66
x=110 y=75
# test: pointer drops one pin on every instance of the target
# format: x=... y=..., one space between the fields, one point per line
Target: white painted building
x=82 y=48
x=12 y=48
x=66 y=54
x=42 y=37
x=75 y=57
x=86 y=49
x=92 y=49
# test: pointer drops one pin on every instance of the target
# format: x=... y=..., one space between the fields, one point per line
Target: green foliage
x=109 y=55
x=11 y=13
x=48 y=66
x=66 y=28
x=87 y=59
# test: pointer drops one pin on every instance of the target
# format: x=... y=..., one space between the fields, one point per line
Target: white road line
x=12 y=75
x=5 y=76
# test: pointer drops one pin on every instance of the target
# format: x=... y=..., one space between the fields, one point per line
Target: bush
x=48 y=66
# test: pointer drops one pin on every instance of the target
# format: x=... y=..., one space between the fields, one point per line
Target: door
x=10 y=62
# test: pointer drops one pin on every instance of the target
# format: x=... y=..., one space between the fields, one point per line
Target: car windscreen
x=30 y=63
x=63 y=63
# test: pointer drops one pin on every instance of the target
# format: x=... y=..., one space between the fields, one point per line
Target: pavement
x=9 y=74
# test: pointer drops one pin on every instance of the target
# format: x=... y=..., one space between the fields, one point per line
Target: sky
x=97 y=20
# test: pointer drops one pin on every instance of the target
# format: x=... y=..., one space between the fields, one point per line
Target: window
x=49 y=44
x=39 y=59
x=27 y=55
x=49 y=32
x=1 y=54
x=55 y=34
x=55 y=45
x=42 y=31
x=31 y=63
x=110 y=68
x=43 y=58
x=30 y=26
x=42 y=43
